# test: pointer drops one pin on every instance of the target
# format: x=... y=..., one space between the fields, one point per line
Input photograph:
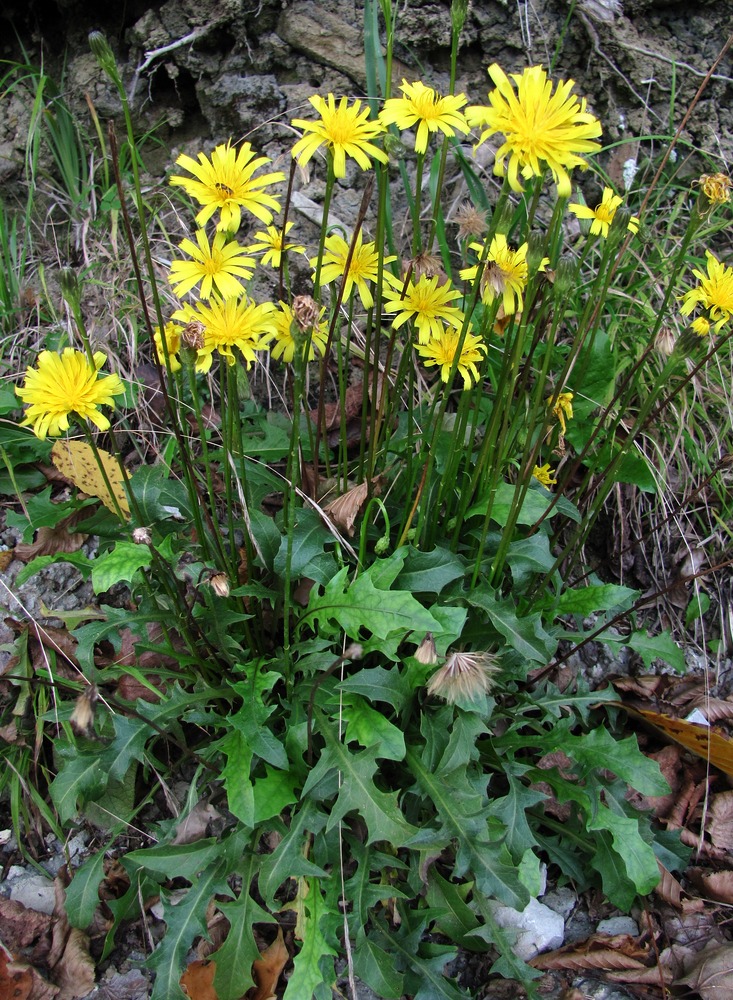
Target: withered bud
x=219 y=584
x=428 y=264
x=715 y=187
x=470 y=220
x=426 y=651
x=193 y=335
x=464 y=677
x=354 y=651
x=82 y=718
x=664 y=342
x=141 y=536
x=305 y=312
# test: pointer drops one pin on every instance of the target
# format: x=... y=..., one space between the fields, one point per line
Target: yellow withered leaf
x=76 y=461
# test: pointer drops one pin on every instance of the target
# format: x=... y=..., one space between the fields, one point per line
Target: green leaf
x=463 y=812
x=534 y=505
x=287 y=860
x=307 y=974
x=273 y=793
x=118 y=565
x=598 y=749
x=174 y=860
x=379 y=685
x=81 y=561
x=82 y=895
x=236 y=777
x=358 y=605
x=358 y=793
x=235 y=957
x=185 y=922
x=526 y=634
x=376 y=968
x=361 y=891
x=528 y=556
x=41 y=512
x=457 y=919
x=636 y=855
x=657 y=647
x=620 y=890
x=309 y=540
x=82 y=777
x=131 y=735
x=429 y=572
x=587 y=600
x=158 y=497
x=371 y=729
x=512 y=810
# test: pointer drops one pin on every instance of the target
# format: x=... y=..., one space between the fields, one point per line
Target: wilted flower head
x=426 y=652
x=219 y=584
x=665 y=341
x=141 y=536
x=306 y=312
x=562 y=407
x=82 y=718
x=544 y=475
x=464 y=676
x=470 y=221
x=715 y=187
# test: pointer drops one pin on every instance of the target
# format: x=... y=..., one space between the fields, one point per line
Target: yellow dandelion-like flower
x=714 y=293
x=229 y=323
x=441 y=351
x=226 y=183
x=715 y=187
x=218 y=266
x=464 y=677
x=544 y=475
x=363 y=266
x=284 y=342
x=63 y=384
x=505 y=273
x=273 y=243
x=343 y=130
x=540 y=127
x=701 y=326
x=423 y=107
x=603 y=214
x=562 y=407
x=425 y=302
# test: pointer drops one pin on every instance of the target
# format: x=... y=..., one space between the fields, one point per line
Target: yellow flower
x=539 y=127
x=426 y=302
x=716 y=188
x=218 y=267
x=230 y=323
x=701 y=326
x=422 y=104
x=64 y=384
x=226 y=182
x=272 y=241
x=441 y=350
x=345 y=131
x=714 y=293
x=284 y=343
x=505 y=273
x=363 y=266
x=562 y=407
x=602 y=215
x=544 y=475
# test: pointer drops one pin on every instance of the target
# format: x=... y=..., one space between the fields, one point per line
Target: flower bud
x=381 y=545
x=620 y=224
x=102 y=52
x=220 y=584
x=141 y=536
x=536 y=246
x=394 y=147
x=665 y=341
x=426 y=652
x=69 y=281
x=566 y=275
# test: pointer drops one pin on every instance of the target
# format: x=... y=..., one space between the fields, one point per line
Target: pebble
x=35 y=892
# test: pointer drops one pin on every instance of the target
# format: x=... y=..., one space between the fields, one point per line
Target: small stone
x=35 y=892
x=618 y=925
x=538 y=928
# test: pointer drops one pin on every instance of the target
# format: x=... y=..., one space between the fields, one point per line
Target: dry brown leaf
x=714 y=885
x=712 y=975
x=198 y=980
x=267 y=968
x=16 y=981
x=194 y=826
x=74 y=971
x=76 y=460
x=50 y=540
x=704 y=741
x=345 y=509
x=600 y=951
x=23 y=928
x=720 y=820
x=6 y=557
x=669 y=889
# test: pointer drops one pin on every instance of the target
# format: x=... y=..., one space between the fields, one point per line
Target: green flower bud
x=103 y=53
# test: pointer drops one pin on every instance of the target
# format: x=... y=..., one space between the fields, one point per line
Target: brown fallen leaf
x=74 y=971
x=194 y=826
x=714 y=885
x=16 y=982
x=50 y=540
x=669 y=889
x=600 y=951
x=704 y=741
x=267 y=969
x=198 y=980
x=720 y=820
x=345 y=509
x=712 y=975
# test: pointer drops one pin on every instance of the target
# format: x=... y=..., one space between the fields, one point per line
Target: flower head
x=539 y=127
x=227 y=183
x=177 y=337
x=218 y=267
x=562 y=406
x=426 y=302
x=464 y=677
x=701 y=326
x=544 y=475
x=363 y=266
x=716 y=188
x=441 y=350
x=228 y=323
x=273 y=244
x=63 y=384
x=284 y=341
x=505 y=273
x=345 y=131
x=423 y=105
x=470 y=221
x=715 y=291
x=602 y=215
